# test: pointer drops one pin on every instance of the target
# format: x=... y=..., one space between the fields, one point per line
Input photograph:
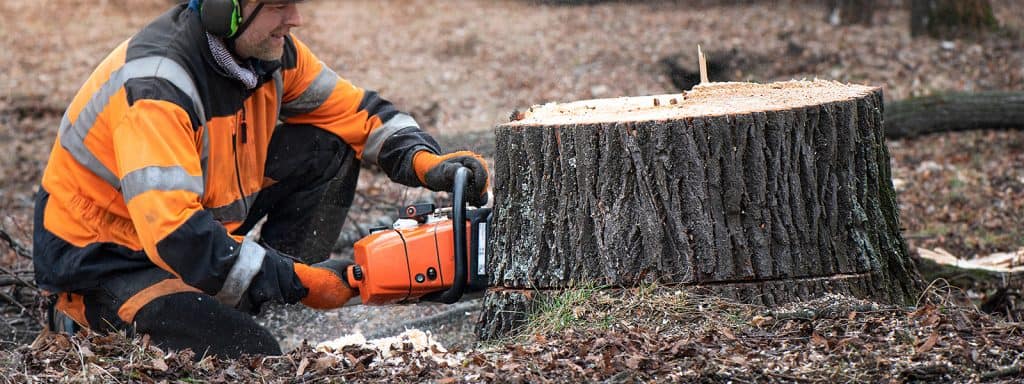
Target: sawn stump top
x=714 y=99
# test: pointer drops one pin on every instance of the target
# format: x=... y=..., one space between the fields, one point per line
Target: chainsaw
x=428 y=254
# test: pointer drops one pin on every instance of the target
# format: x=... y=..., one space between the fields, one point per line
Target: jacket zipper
x=234 y=150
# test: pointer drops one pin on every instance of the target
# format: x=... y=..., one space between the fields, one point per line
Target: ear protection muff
x=221 y=17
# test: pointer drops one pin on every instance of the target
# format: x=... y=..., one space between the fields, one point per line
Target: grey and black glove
x=437 y=173
x=276 y=281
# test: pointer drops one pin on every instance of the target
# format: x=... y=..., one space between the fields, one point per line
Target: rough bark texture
x=954 y=112
x=765 y=207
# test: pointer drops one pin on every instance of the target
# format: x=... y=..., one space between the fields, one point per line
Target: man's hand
x=326 y=282
x=437 y=173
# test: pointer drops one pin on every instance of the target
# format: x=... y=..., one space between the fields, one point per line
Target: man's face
x=264 y=38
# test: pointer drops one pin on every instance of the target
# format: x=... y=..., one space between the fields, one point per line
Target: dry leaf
x=819 y=340
x=159 y=364
x=302 y=367
x=86 y=352
x=759 y=320
x=928 y=344
x=324 y=363
x=633 y=362
x=43 y=339
x=727 y=333
x=923 y=311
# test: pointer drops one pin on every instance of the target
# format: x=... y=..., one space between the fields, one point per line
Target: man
x=170 y=154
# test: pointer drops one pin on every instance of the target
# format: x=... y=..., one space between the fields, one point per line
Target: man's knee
x=197 y=321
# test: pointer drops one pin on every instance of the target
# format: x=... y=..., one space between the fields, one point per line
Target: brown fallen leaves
x=657 y=335
x=962 y=192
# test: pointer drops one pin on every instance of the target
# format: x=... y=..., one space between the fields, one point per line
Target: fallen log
x=1000 y=270
x=999 y=277
x=762 y=193
x=953 y=112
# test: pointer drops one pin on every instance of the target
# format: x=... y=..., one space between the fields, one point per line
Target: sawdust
x=414 y=341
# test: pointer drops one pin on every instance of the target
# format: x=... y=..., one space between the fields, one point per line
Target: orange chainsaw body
x=408 y=262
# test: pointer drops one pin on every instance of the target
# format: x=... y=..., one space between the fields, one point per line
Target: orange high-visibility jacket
x=162 y=152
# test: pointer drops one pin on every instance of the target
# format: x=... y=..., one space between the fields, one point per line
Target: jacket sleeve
x=380 y=134
x=159 y=168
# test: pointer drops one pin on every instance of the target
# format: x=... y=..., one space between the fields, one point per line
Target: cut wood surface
x=764 y=193
x=904 y=119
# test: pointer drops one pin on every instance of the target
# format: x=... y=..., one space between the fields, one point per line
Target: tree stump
x=762 y=193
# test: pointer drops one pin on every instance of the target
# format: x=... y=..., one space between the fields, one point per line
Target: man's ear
x=220 y=17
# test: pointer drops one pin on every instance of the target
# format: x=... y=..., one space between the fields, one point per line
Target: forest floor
x=463 y=67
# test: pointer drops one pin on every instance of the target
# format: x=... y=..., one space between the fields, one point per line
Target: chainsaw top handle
x=454 y=293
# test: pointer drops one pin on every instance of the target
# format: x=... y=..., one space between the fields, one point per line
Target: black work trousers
x=315 y=176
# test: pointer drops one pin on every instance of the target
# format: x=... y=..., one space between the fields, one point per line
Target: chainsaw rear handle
x=454 y=293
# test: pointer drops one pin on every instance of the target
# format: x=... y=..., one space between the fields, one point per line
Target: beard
x=265 y=47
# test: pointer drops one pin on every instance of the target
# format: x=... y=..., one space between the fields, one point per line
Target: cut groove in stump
x=764 y=193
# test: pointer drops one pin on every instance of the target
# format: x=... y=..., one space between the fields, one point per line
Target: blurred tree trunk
x=848 y=12
x=950 y=18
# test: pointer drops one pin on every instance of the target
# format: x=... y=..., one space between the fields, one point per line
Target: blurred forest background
x=462 y=66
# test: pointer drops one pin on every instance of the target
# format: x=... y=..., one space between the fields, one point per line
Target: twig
x=12 y=300
x=21 y=250
x=1001 y=372
x=14 y=276
x=790 y=378
x=5 y=281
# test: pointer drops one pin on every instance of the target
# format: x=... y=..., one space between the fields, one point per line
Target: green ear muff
x=221 y=17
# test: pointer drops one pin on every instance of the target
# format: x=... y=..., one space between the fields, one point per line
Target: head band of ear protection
x=241 y=28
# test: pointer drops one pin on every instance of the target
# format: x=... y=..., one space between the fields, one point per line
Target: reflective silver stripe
x=250 y=259
x=73 y=140
x=315 y=94
x=234 y=211
x=204 y=157
x=173 y=178
x=377 y=138
x=73 y=135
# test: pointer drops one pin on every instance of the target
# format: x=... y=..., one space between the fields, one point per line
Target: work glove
x=437 y=173
x=328 y=288
x=276 y=281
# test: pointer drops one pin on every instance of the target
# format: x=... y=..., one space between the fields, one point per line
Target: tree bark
x=954 y=112
x=950 y=18
x=763 y=193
